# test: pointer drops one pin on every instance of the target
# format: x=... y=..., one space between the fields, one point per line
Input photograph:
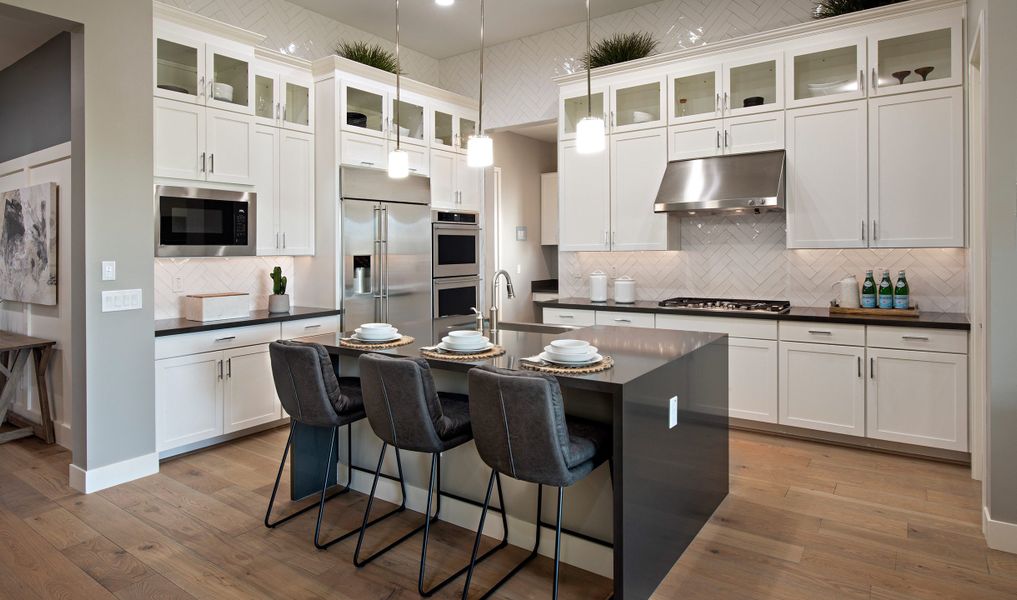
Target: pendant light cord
x=589 y=88
x=399 y=68
x=480 y=111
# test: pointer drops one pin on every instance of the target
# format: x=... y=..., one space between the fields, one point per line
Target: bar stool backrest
x=401 y=401
x=306 y=383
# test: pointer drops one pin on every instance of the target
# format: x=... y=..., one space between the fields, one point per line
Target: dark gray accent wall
x=35 y=100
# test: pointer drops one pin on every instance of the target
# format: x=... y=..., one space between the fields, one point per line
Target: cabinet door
x=638 y=161
x=695 y=140
x=918 y=398
x=179 y=68
x=297 y=109
x=249 y=396
x=573 y=107
x=363 y=150
x=922 y=55
x=584 y=196
x=830 y=72
x=410 y=119
x=916 y=165
x=754 y=133
x=470 y=183
x=549 y=209
x=229 y=76
x=229 y=139
x=753 y=85
x=267 y=107
x=752 y=384
x=822 y=387
x=466 y=126
x=418 y=158
x=444 y=187
x=366 y=109
x=179 y=140
x=296 y=192
x=827 y=183
x=695 y=94
x=443 y=128
x=189 y=399
x=638 y=105
x=265 y=165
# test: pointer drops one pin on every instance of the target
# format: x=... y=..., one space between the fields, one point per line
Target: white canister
x=598 y=286
x=625 y=290
x=847 y=292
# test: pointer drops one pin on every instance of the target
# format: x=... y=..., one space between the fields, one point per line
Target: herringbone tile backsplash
x=216 y=275
x=746 y=257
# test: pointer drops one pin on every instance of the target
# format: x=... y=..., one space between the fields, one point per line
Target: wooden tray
x=876 y=312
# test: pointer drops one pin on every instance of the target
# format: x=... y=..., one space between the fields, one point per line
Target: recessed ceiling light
x=444 y=2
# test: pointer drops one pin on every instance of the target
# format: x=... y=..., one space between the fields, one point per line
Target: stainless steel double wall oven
x=455 y=252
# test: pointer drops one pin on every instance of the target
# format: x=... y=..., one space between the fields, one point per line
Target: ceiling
x=545 y=131
x=20 y=36
x=440 y=32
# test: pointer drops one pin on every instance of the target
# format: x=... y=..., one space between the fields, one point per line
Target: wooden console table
x=15 y=350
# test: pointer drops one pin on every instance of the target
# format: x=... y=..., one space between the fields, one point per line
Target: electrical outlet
x=118 y=300
x=178 y=284
x=519 y=269
x=672 y=412
x=109 y=270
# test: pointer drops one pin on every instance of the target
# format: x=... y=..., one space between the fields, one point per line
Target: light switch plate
x=672 y=413
x=118 y=300
x=109 y=270
x=521 y=233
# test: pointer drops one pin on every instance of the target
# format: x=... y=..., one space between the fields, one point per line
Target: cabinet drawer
x=918 y=338
x=211 y=341
x=760 y=329
x=569 y=316
x=624 y=319
x=823 y=333
x=305 y=327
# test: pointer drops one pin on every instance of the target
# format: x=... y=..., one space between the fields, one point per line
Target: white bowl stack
x=465 y=342
x=377 y=332
x=571 y=352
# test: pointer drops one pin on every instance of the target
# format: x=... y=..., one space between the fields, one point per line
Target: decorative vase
x=279 y=303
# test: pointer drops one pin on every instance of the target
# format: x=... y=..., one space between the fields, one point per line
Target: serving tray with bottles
x=836 y=309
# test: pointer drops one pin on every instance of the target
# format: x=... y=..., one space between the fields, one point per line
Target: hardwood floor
x=803 y=521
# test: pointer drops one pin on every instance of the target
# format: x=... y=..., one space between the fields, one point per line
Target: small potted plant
x=279 y=301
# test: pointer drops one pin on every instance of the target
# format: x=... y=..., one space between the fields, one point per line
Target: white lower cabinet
x=249 y=396
x=752 y=379
x=189 y=399
x=918 y=398
x=822 y=387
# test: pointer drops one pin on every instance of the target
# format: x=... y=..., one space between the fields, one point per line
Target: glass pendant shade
x=479 y=151
x=398 y=164
x=590 y=136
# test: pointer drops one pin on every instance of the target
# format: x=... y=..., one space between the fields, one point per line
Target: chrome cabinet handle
x=226 y=339
x=211 y=163
x=277 y=239
x=872 y=367
x=284 y=240
x=282 y=113
x=612 y=236
x=312 y=326
x=367 y=162
x=718 y=138
x=875 y=231
x=875 y=82
x=726 y=143
x=220 y=369
x=725 y=101
x=863 y=230
x=202 y=162
x=915 y=338
x=623 y=320
x=859 y=367
x=229 y=368
x=861 y=80
x=820 y=332
x=566 y=316
x=716 y=103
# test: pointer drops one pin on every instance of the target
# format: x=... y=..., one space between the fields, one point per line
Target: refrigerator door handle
x=384 y=249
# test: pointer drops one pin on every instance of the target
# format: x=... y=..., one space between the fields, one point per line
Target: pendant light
x=590 y=135
x=479 y=147
x=398 y=160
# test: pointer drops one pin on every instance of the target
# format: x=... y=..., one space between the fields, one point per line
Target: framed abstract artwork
x=28 y=244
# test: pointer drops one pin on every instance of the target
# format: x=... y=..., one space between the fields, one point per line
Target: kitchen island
x=666 y=398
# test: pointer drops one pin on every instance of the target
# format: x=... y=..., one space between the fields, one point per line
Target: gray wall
x=1001 y=178
x=111 y=136
x=35 y=104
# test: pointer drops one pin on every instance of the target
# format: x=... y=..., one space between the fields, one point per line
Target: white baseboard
x=63 y=434
x=574 y=551
x=1000 y=535
x=101 y=478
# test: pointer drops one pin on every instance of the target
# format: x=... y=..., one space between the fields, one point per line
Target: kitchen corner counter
x=165 y=327
x=933 y=320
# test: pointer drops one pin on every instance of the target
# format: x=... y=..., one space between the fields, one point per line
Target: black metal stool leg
x=370 y=502
x=557 y=544
x=275 y=488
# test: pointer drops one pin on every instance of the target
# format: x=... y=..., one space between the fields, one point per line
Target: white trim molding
x=1000 y=535
x=100 y=478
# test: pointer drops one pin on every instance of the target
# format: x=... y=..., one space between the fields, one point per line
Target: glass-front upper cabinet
x=298 y=104
x=638 y=105
x=229 y=77
x=925 y=56
x=695 y=94
x=266 y=98
x=573 y=108
x=467 y=127
x=832 y=72
x=366 y=109
x=443 y=126
x=753 y=85
x=409 y=115
x=284 y=100
x=179 y=68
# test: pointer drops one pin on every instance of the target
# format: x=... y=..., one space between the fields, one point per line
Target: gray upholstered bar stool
x=407 y=412
x=521 y=430
x=313 y=395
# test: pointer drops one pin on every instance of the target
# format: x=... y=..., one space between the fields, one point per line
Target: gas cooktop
x=778 y=307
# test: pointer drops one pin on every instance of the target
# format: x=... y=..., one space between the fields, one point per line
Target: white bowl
x=641 y=116
x=222 y=91
x=377 y=334
x=465 y=343
x=465 y=333
x=572 y=346
x=571 y=352
x=372 y=326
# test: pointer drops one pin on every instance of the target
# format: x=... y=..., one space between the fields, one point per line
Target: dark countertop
x=164 y=327
x=934 y=320
x=635 y=353
x=547 y=286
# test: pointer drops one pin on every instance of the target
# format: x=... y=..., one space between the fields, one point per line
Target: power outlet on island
x=672 y=412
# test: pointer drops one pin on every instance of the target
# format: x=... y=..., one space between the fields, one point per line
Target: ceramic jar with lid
x=625 y=290
x=598 y=286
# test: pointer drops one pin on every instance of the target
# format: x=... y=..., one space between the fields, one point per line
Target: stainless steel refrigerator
x=386 y=241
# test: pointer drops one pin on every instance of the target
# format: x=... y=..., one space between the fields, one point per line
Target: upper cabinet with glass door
x=573 y=107
x=638 y=104
x=409 y=115
x=451 y=126
x=365 y=108
x=923 y=55
x=696 y=94
x=830 y=72
x=229 y=75
x=282 y=92
x=753 y=85
x=180 y=68
x=467 y=128
x=191 y=70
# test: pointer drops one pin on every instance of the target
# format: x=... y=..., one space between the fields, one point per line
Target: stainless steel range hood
x=723 y=184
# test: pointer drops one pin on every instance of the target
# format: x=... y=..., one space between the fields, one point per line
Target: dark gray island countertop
x=164 y=327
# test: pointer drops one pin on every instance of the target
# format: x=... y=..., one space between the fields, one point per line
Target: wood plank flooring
x=803 y=521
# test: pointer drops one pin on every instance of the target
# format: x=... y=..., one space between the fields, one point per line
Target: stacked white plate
x=465 y=342
x=377 y=333
x=575 y=353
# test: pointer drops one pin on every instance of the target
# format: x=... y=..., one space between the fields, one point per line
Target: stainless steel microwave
x=203 y=222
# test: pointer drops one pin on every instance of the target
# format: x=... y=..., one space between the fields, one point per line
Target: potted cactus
x=279 y=301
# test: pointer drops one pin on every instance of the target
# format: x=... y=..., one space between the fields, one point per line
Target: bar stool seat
x=589 y=446
x=454 y=426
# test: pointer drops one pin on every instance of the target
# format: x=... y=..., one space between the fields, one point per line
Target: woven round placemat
x=355 y=345
x=494 y=351
x=603 y=365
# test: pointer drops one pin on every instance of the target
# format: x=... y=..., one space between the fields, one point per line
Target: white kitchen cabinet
x=229 y=75
x=229 y=141
x=752 y=379
x=695 y=140
x=573 y=107
x=179 y=67
x=284 y=182
x=757 y=75
x=696 y=93
x=569 y=316
x=822 y=387
x=179 y=133
x=265 y=163
x=470 y=182
x=249 y=397
x=637 y=104
x=189 y=399
x=612 y=318
x=451 y=127
x=361 y=150
x=584 y=212
x=203 y=70
x=418 y=158
x=411 y=117
x=930 y=41
x=916 y=169
x=444 y=185
x=364 y=109
x=754 y=132
x=827 y=176
x=282 y=94
x=638 y=161
x=549 y=209
x=918 y=398
x=827 y=71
